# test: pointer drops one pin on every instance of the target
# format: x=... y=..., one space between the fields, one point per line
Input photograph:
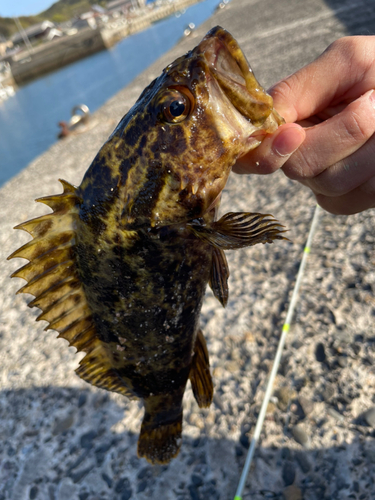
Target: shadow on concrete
x=66 y=443
x=357 y=16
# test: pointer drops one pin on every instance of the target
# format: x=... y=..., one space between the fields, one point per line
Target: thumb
x=273 y=152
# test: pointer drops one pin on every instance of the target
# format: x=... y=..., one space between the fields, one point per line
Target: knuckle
x=329 y=204
x=355 y=52
x=349 y=46
x=325 y=187
x=283 y=89
x=357 y=127
x=342 y=44
x=283 y=94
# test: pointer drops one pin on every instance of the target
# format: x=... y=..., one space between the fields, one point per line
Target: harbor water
x=29 y=119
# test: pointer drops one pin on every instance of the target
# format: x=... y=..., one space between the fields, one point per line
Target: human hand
x=333 y=101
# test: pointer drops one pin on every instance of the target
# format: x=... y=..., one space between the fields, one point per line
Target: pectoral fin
x=200 y=376
x=239 y=230
x=219 y=276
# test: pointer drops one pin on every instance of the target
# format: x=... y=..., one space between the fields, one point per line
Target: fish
x=120 y=266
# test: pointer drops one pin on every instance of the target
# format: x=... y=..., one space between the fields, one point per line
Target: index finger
x=344 y=71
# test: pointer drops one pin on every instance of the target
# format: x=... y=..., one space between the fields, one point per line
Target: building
x=90 y=18
x=122 y=6
x=84 y=21
x=35 y=32
x=5 y=46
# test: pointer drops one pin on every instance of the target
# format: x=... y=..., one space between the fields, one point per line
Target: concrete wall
x=58 y=53
x=62 y=51
x=112 y=36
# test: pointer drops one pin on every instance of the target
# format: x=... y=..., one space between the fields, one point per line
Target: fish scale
x=120 y=267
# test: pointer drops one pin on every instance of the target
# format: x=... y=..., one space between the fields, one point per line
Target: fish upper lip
x=220 y=59
x=228 y=65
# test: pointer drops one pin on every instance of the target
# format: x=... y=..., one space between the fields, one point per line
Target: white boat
x=6 y=91
x=189 y=29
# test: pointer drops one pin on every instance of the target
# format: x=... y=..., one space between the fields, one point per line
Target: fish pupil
x=177 y=108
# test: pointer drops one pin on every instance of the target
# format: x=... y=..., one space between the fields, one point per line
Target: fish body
x=120 y=267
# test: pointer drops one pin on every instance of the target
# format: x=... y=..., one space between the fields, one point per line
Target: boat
x=189 y=29
x=80 y=116
x=6 y=91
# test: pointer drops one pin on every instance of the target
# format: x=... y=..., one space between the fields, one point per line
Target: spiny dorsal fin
x=45 y=261
x=67 y=187
x=52 y=278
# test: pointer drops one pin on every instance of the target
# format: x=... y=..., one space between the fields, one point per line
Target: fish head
x=175 y=148
x=222 y=113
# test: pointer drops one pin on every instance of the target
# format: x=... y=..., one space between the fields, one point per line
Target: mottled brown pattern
x=120 y=267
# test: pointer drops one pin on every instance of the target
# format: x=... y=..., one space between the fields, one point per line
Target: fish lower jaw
x=251 y=142
x=255 y=137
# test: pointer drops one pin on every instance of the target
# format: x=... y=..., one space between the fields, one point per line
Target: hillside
x=60 y=11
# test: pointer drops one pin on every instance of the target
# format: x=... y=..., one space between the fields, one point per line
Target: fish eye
x=175 y=105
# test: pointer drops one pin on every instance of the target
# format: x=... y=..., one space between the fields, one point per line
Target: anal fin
x=219 y=276
x=239 y=230
x=200 y=376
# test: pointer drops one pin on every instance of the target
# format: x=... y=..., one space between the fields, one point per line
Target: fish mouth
x=229 y=67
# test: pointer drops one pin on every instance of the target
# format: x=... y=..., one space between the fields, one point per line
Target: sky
x=10 y=8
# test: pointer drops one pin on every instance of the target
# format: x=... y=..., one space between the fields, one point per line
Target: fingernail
x=372 y=98
x=288 y=141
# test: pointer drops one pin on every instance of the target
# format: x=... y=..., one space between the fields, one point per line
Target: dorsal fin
x=52 y=278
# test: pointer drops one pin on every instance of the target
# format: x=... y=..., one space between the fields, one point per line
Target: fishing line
x=276 y=363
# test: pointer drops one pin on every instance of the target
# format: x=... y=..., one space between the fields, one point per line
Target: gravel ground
x=65 y=440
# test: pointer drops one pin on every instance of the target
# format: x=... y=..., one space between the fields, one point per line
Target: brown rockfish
x=120 y=267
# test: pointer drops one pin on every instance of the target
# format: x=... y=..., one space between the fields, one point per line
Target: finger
x=344 y=71
x=359 y=199
x=273 y=152
x=332 y=141
x=348 y=174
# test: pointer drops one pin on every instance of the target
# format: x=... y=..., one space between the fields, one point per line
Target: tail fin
x=158 y=445
x=200 y=376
